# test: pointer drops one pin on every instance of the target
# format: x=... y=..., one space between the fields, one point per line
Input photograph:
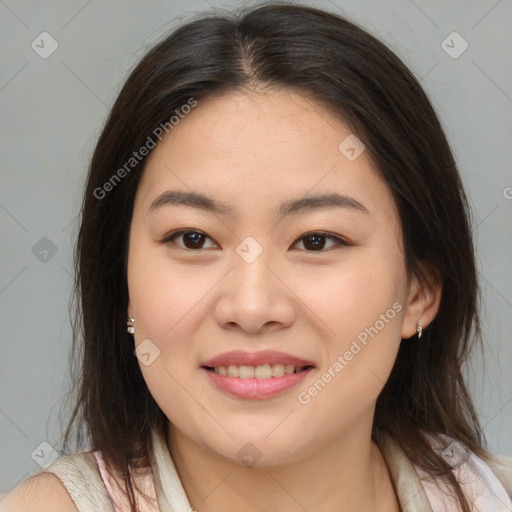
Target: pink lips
x=255 y=388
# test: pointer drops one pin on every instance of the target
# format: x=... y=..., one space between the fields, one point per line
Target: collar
x=409 y=489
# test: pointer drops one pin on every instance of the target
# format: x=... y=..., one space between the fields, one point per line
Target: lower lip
x=256 y=388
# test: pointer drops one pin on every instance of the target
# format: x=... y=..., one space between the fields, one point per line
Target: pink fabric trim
x=117 y=491
x=482 y=488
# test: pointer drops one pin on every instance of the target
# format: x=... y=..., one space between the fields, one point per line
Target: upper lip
x=239 y=357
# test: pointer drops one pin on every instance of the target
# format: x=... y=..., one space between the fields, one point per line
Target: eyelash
x=168 y=239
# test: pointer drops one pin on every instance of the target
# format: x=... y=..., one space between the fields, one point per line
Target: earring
x=419 y=329
x=130 y=323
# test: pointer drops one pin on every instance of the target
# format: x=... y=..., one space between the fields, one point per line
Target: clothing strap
x=80 y=476
x=409 y=489
x=170 y=492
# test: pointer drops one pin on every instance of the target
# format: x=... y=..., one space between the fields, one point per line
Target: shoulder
x=43 y=492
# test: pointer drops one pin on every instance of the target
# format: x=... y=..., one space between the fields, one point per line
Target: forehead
x=240 y=148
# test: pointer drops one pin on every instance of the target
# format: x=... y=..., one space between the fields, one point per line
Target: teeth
x=245 y=372
x=265 y=371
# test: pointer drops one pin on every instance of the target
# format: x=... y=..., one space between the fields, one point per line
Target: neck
x=348 y=473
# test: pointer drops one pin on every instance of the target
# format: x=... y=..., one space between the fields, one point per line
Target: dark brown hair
x=333 y=61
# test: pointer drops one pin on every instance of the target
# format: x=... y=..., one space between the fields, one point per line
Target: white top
x=487 y=485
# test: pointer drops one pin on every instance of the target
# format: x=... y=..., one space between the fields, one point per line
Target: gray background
x=51 y=113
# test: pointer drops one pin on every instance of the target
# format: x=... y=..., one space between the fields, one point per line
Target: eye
x=192 y=239
x=316 y=241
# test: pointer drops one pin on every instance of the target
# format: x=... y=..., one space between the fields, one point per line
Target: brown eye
x=191 y=239
x=316 y=241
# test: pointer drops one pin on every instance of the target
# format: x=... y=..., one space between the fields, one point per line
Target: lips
x=239 y=358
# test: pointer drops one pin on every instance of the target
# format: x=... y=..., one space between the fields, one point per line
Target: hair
x=336 y=63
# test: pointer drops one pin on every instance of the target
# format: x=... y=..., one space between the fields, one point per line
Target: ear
x=424 y=298
x=128 y=310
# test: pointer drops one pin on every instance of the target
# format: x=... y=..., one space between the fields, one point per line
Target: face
x=322 y=281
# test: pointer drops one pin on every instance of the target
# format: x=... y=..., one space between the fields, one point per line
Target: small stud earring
x=130 y=323
x=419 y=329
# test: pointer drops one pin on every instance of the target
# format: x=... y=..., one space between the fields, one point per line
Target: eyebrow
x=291 y=207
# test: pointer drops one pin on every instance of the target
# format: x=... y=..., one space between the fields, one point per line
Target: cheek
x=363 y=306
x=366 y=317
x=355 y=295
x=167 y=305
x=165 y=295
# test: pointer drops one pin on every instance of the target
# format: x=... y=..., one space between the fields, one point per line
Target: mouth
x=256 y=375
x=256 y=382
x=264 y=371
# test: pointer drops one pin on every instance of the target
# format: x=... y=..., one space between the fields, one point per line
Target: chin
x=259 y=450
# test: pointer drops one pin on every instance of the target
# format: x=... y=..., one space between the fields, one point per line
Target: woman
x=277 y=283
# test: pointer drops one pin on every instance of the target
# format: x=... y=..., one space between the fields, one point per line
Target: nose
x=255 y=298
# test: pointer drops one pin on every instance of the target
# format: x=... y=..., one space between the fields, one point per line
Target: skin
x=254 y=150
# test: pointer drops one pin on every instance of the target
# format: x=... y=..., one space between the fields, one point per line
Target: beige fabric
x=410 y=491
x=80 y=475
x=502 y=467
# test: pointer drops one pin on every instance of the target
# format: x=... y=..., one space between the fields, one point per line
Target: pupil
x=316 y=244
x=194 y=237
